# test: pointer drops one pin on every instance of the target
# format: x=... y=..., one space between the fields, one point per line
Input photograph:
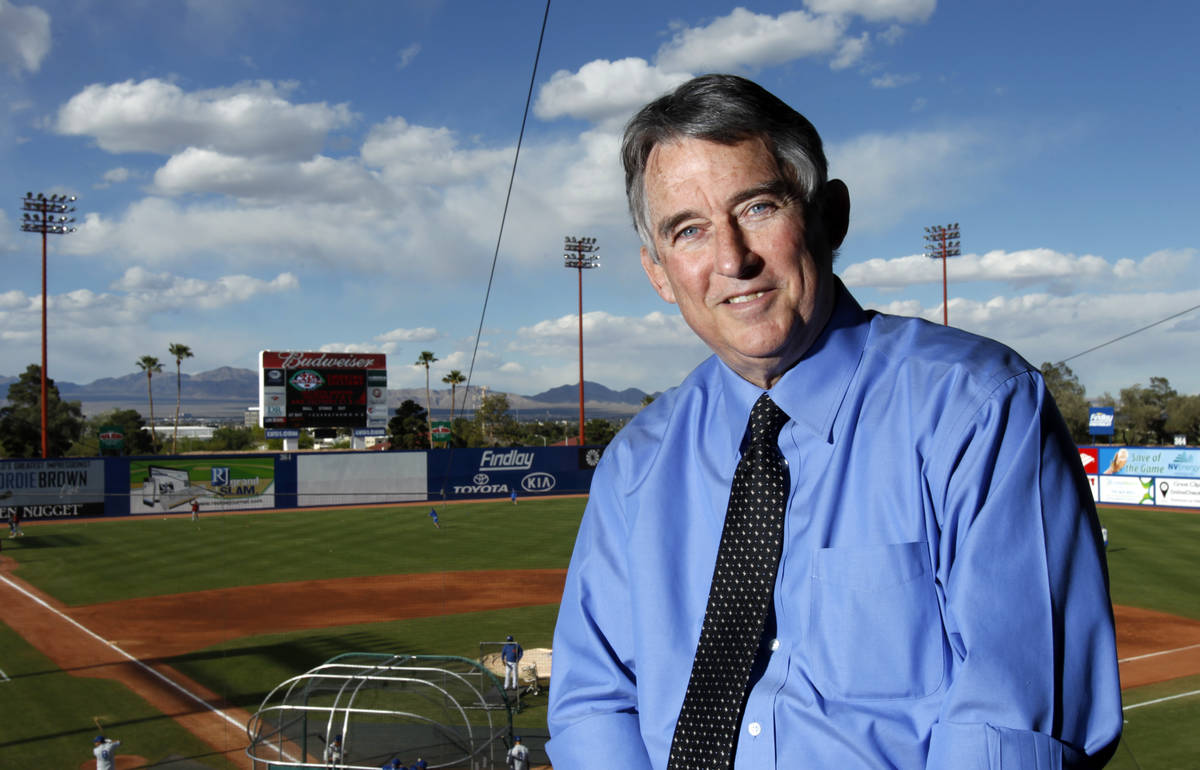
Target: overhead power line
x=1130 y=334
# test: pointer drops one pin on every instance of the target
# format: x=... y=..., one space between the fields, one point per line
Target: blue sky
x=295 y=174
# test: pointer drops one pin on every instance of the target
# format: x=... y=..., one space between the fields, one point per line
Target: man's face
x=732 y=254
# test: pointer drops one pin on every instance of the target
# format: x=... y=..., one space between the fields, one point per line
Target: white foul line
x=1138 y=657
x=132 y=659
x=1160 y=700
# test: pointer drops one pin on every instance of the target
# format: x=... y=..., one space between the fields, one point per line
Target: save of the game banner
x=323 y=390
x=1166 y=476
x=222 y=484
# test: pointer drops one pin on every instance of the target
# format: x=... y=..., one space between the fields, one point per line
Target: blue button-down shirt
x=941 y=600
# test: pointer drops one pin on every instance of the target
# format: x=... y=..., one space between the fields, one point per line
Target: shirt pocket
x=875 y=630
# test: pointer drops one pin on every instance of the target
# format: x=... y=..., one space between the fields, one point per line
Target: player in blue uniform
x=511 y=654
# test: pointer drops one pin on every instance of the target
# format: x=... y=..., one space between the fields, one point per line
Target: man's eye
x=760 y=207
x=687 y=232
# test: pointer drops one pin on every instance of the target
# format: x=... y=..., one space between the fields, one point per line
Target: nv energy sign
x=322 y=390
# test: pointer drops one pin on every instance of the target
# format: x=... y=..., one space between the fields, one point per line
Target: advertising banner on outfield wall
x=218 y=483
x=1165 y=476
x=353 y=478
x=480 y=473
x=52 y=489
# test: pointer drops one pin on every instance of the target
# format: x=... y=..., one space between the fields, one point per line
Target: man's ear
x=658 y=277
x=835 y=212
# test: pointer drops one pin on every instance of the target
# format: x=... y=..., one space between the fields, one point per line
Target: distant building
x=250 y=418
x=185 y=431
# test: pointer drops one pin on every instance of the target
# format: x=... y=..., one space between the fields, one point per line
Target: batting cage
x=360 y=710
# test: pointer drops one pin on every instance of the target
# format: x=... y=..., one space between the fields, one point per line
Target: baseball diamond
x=125 y=640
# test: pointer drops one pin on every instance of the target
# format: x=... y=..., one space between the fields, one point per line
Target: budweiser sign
x=298 y=360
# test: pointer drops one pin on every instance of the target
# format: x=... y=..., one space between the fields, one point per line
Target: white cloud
x=250 y=119
x=419 y=334
x=1062 y=272
x=744 y=40
x=620 y=351
x=412 y=154
x=134 y=297
x=407 y=55
x=24 y=37
x=892 y=80
x=319 y=178
x=116 y=175
x=1046 y=327
x=603 y=90
x=876 y=10
x=890 y=175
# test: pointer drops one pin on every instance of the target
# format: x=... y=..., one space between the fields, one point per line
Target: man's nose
x=734 y=257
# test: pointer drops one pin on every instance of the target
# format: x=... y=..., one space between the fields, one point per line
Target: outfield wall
x=138 y=486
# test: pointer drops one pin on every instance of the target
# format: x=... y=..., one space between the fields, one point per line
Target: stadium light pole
x=942 y=242
x=47 y=216
x=581 y=254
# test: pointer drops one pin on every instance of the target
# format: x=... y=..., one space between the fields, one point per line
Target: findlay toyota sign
x=538 y=482
x=322 y=390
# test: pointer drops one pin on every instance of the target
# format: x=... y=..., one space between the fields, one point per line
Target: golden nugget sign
x=322 y=390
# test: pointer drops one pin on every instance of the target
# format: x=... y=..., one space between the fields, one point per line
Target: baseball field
x=167 y=633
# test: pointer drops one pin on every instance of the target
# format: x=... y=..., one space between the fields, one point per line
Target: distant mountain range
x=226 y=392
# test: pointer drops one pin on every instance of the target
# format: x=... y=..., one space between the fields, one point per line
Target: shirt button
x=774 y=645
x=755 y=728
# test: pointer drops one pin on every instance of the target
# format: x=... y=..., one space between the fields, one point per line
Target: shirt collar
x=812 y=390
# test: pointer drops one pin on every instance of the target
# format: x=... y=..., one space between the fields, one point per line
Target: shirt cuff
x=602 y=742
x=987 y=747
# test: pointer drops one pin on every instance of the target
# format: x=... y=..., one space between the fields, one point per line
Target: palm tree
x=150 y=365
x=453 y=379
x=425 y=359
x=180 y=351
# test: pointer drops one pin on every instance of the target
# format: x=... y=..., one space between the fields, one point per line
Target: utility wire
x=507 y=197
x=1130 y=334
x=503 y=217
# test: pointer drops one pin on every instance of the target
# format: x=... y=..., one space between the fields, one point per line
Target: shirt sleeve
x=593 y=711
x=1024 y=589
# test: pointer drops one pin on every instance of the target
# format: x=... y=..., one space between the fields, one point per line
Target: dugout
x=451 y=711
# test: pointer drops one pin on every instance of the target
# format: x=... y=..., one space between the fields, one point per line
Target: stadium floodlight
x=942 y=242
x=581 y=254
x=50 y=216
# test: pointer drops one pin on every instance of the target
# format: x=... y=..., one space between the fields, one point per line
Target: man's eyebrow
x=778 y=188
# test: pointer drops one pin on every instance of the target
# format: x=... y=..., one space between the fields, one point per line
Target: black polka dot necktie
x=742 y=585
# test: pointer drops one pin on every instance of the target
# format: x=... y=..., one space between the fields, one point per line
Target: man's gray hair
x=726 y=109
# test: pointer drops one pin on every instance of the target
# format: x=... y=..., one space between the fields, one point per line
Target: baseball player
x=518 y=755
x=511 y=653
x=433 y=515
x=103 y=750
x=195 y=509
x=514 y=496
x=333 y=751
x=14 y=522
x=420 y=764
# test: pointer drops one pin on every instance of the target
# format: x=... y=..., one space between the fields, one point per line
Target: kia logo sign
x=538 y=482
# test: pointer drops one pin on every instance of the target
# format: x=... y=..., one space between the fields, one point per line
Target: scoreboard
x=322 y=390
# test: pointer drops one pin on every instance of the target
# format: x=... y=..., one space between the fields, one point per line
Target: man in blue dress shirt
x=941 y=600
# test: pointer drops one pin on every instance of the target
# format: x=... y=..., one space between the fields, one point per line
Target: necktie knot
x=766 y=420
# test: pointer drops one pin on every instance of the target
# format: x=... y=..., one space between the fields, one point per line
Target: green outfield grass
x=87 y=562
x=1152 y=557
